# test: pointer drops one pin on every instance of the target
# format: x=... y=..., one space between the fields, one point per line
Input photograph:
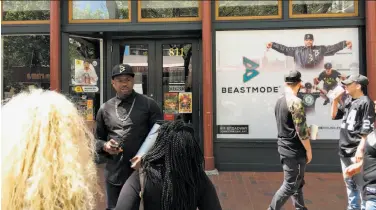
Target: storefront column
x=207 y=89
x=371 y=47
x=55 y=78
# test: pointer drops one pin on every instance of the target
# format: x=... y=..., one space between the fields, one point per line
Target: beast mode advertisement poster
x=250 y=69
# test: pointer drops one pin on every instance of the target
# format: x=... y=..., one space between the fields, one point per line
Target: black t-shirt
x=369 y=167
x=292 y=127
x=309 y=100
x=330 y=81
x=358 y=117
x=129 y=198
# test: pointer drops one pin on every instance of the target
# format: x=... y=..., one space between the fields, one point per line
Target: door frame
x=155 y=72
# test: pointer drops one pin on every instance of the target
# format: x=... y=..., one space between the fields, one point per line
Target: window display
x=250 y=67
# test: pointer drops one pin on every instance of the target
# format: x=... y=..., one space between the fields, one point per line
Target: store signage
x=176 y=88
x=90 y=89
x=176 y=51
x=233 y=129
x=250 y=70
x=86 y=89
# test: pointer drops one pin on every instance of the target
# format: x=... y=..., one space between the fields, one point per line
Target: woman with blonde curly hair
x=47 y=154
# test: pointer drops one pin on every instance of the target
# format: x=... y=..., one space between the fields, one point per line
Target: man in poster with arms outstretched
x=358 y=117
x=309 y=56
x=294 y=144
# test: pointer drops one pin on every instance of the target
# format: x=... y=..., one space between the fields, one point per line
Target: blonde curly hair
x=47 y=154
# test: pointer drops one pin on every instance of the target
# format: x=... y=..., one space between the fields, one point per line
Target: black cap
x=308 y=36
x=360 y=79
x=328 y=66
x=293 y=76
x=122 y=69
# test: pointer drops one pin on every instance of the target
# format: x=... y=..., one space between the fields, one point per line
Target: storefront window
x=35 y=11
x=169 y=10
x=85 y=83
x=250 y=77
x=99 y=11
x=25 y=63
x=232 y=10
x=320 y=8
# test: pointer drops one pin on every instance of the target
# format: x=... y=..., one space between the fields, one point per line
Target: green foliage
x=169 y=9
x=323 y=7
x=238 y=9
x=26 y=10
x=24 y=51
x=109 y=9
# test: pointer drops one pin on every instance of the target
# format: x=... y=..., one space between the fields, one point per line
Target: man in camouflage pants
x=294 y=144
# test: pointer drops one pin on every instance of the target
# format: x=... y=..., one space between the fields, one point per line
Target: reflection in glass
x=247 y=8
x=169 y=9
x=100 y=10
x=137 y=57
x=323 y=7
x=84 y=58
x=25 y=10
x=177 y=82
x=26 y=62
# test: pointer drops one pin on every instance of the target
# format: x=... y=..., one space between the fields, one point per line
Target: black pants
x=112 y=195
x=292 y=186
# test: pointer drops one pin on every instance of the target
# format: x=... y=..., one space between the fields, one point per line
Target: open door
x=85 y=85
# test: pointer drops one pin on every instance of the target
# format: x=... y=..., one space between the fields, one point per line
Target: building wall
x=256 y=150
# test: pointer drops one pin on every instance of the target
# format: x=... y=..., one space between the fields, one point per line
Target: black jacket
x=309 y=57
x=130 y=133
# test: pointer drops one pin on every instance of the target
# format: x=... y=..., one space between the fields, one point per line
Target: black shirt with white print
x=358 y=117
x=369 y=167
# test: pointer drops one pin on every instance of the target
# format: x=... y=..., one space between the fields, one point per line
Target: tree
x=108 y=9
x=247 y=8
x=169 y=9
x=26 y=10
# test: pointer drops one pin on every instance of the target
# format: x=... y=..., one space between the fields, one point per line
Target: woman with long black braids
x=174 y=175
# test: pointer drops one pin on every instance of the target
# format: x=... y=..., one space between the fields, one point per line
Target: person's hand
x=349 y=44
x=112 y=147
x=359 y=155
x=309 y=156
x=269 y=45
x=339 y=96
x=352 y=169
x=136 y=162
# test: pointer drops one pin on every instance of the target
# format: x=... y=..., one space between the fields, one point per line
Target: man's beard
x=122 y=96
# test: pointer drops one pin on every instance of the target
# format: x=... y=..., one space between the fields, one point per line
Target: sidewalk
x=254 y=190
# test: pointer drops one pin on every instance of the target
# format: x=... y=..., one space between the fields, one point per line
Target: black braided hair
x=176 y=162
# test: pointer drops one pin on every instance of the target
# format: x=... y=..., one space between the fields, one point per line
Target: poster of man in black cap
x=330 y=78
x=309 y=56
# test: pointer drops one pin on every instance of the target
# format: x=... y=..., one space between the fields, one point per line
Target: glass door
x=85 y=84
x=140 y=56
x=177 y=71
x=167 y=71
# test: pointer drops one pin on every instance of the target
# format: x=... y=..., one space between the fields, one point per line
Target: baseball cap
x=328 y=66
x=122 y=69
x=308 y=36
x=360 y=79
x=293 y=76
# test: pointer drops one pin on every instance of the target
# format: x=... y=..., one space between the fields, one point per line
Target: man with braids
x=174 y=177
x=294 y=144
x=123 y=123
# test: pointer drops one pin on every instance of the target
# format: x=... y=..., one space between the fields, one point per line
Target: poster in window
x=250 y=69
x=185 y=102
x=171 y=103
x=86 y=72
